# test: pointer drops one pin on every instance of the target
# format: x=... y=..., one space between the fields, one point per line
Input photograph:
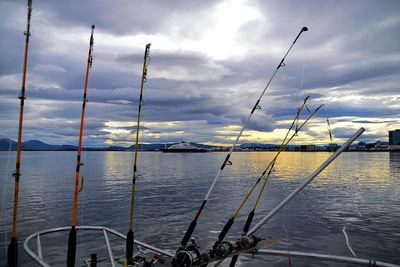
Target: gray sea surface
x=359 y=190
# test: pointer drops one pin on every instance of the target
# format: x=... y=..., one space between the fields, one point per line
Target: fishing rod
x=329 y=129
x=268 y=169
x=72 y=234
x=192 y=225
x=250 y=217
x=130 y=235
x=12 y=252
x=250 y=243
x=306 y=182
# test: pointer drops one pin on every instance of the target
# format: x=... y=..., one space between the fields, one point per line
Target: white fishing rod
x=306 y=181
x=192 y=225
x=251 y=243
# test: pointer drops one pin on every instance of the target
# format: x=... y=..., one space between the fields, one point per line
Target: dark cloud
x=349 y=60
x=369 y=121
x=120 y=18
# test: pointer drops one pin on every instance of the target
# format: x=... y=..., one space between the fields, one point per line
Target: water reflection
x=171 y=186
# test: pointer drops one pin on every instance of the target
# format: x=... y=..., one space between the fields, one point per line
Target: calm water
x=172 y=186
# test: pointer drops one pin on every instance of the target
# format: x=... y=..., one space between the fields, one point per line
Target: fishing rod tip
x=304 y=29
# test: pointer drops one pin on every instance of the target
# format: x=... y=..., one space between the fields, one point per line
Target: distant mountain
x=382 y=143
x=117 y=148
x=32 y=145
x=148 y=147
x=38 y=145
x=7 y=144
x=68 y=148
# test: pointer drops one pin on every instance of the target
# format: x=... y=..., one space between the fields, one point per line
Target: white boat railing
x=38 y=257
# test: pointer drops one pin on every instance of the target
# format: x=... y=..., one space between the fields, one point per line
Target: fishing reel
x=190 y=256
x=247 y=242
x=221 y=249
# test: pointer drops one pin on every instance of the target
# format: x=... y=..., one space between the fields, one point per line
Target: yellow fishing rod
x=183 y=245
x=274 y=161
x=272 y=164
x=12 y=252
x=130 y=235
x=284 y=143
x=72 y=233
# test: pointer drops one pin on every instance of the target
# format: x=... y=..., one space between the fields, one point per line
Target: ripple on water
x=171 y=186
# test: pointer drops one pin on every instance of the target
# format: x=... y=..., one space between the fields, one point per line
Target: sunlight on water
x=359 y=190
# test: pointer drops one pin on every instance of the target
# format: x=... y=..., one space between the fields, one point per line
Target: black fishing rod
x=72 y=233
x=250 y=217
x=130 y=235
x=256 y=106
x=12 y=252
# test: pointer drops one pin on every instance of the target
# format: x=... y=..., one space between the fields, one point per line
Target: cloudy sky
x=210 y=60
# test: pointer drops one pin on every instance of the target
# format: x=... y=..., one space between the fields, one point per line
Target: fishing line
x=300 y=92
x=352 y=186
x=343 y=189
x=287 y=238
x=352 y=197
x=81 y=189
x=357 y=209
x=348 y=242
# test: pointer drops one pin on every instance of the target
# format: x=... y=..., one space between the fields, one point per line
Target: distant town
x=392 y=145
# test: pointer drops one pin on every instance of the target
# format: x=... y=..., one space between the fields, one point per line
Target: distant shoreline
x=218 y=151
x=36 y=145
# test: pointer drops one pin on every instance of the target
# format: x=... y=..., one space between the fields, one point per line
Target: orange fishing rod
x=72 y=234
x=130 y=234
x=12 y=253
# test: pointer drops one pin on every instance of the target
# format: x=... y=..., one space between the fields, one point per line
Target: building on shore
x=333 y=147
x=394 y=139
